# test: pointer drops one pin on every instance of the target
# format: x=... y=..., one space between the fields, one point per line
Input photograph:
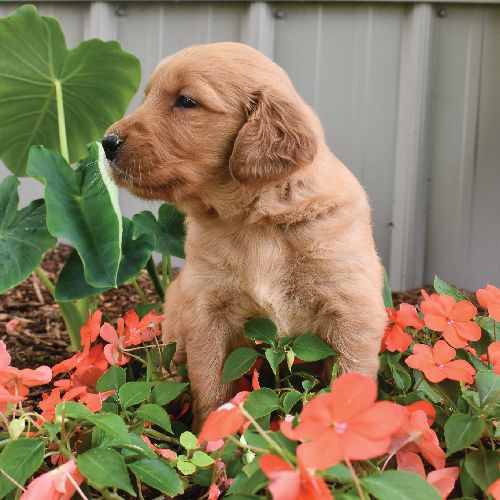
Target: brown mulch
x=31 y=327
x=30 y=324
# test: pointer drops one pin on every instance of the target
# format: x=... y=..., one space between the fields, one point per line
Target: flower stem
x=355 y=479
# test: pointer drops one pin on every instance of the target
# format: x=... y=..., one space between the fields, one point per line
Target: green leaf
x=19 y=460
x=156 y=414
x=169 y=229
x=469 y=487
x=185 y=465
x=488 y=385
x=201 y=459
x=105 y=468
x=82 y=207
x=400 y=373
x=311 y=348
x=98 y=80
x=189 y=440
x=387 y=293
x=71 y=409
x=290 y=400
x=112 y=379
x=401 y=485
x=133 y=393
x=238 y=363
x=167 y=391
x=461 y=431
x=261 y=329
x=339 y=473
x=71 y=284
x=482 y=466
x=262 y=402
x=168 y=355
x=112 y=424
x=24 y=237
x=443 y=288
x=275 y=358
x=158 y=475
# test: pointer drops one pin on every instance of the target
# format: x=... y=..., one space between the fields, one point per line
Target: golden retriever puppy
x=277 y=226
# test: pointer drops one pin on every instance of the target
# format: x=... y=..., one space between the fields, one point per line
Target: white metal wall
x=408 y=95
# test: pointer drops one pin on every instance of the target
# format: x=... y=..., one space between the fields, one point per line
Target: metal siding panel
x=455 y=85
x=344 y=60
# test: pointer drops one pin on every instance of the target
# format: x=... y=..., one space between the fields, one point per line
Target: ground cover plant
x=114 y=419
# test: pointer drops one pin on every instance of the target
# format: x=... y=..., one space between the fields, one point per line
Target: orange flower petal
x=321 y=453
x=463 y=311
x=443 y=352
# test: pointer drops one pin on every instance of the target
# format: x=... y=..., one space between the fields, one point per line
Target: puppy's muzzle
x=111 y=144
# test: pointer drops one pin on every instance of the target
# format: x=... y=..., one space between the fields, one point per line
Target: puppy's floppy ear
x=274 y=142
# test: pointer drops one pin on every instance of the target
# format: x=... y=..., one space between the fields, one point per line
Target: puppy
x=277 y=226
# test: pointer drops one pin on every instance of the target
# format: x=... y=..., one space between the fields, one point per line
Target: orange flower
x=489 y=298
x=436 y=363
x=426 y=407
x=5 y=358
x=90 y=331
x=346 y=423
x=395 y=338
x=416 y=436
x=494 y=355
x=287 y=483
x=142 y=330
x=224 y=421
x=117 y=342
x=17 y=381
x=494 y=490
x=443 y=314
x=162 y=452
x=444 y=480
x=57 y=484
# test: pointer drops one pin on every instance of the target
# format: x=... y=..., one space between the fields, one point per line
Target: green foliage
x=442 y=287
x=97 y=80
x=135 y=253
x=156 y=414
x=238 y=363
x=133 y=393
x=262 y=402
x=82 y=208
x=261 y=329
x=461 y=431
x=482 y=466
x=24 y=237
x=104 y=467
x=19 y=460
x=169 y=229
x=158 y=475
x=401 y=485
x=311 y=348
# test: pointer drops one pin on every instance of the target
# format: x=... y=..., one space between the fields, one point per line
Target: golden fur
x=277 y=226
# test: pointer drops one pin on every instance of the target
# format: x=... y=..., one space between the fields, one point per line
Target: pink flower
x=114 y=349
x=57 y=484
x=5 y=358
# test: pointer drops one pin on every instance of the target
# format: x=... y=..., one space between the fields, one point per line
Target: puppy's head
x=211 y=115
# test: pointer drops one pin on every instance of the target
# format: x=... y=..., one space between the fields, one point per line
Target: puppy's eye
x=184 y=102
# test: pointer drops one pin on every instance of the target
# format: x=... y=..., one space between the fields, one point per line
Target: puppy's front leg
x=208 y=347
x=356 y=335
x=173 y=329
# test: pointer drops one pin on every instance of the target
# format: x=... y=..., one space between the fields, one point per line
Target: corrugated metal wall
x=408 y=95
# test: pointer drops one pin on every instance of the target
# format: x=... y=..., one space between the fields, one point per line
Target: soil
x=31 y=327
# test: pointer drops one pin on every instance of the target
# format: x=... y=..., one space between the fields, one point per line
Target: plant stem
x=71 y=313
x=169 y=269
x=61 y=122
x=44 y=279
x=355 y=479
x=164 y=271
x=139 y=291
x=153 y=274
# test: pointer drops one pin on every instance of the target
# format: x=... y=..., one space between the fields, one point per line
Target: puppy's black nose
x=111 y=144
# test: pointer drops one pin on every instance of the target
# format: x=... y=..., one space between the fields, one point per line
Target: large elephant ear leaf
x=71 y=284
x=169 y=229
x=24 y=237
x=82 y=207
x=98 y=80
